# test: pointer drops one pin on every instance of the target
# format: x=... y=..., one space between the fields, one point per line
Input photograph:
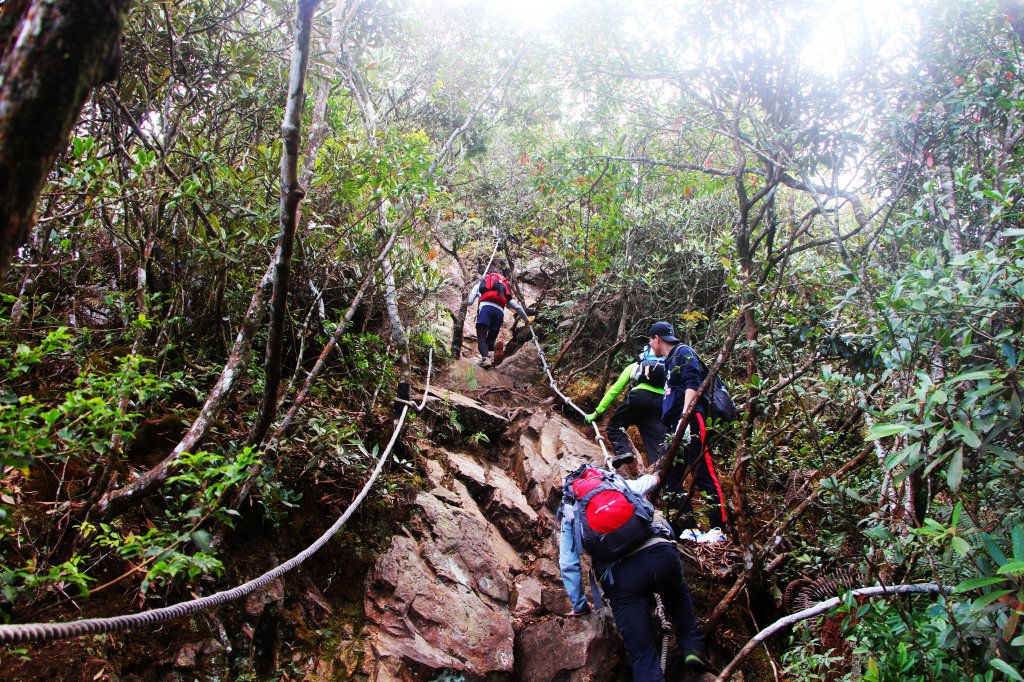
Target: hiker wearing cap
x=641 y=408
x=684 y=376
x=494 y=293
x=635 y=558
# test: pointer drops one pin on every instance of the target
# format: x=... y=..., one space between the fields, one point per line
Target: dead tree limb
x=817 y=610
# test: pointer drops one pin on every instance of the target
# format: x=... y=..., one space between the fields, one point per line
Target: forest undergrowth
x=225 y=259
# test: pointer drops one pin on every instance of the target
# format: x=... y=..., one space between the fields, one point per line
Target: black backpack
x=718 y=404
x=717 y=401
x=650 y=369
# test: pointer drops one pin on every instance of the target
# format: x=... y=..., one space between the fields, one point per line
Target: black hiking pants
x=630 y=590
x=697 y=458
x=642 y=409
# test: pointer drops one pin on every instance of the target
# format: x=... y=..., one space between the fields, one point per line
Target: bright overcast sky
x=840 y=25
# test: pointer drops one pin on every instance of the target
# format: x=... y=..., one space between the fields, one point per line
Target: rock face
x=570 y=649
x=541 y=450
x=473 y=587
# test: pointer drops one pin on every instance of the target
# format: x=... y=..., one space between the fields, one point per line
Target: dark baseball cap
x=664 y=330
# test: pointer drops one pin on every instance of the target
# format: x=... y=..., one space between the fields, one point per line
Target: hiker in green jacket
x=642 y=408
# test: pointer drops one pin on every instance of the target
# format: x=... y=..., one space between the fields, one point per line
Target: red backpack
x=495 y=289
x=609 y=519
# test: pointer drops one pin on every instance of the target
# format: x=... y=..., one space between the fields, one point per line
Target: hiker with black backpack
x=642 y=408
x=494 y=293
x=684 y=374
x=635 y=558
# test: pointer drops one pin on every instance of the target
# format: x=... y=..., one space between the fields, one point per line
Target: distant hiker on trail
x=641 y=408
x=684 y=376
x=494 y=293
x=635 y=558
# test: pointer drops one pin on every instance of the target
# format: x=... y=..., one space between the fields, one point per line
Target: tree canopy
x=240 y=244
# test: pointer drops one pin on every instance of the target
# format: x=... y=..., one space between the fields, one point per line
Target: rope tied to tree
x=41 y=632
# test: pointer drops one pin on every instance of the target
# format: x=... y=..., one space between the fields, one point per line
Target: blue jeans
x=488 y=324
x=569 y=565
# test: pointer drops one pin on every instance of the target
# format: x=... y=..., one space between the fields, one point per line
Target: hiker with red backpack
x=684 y=374
x=635 y=558
x=494 y=293
x=641 y=408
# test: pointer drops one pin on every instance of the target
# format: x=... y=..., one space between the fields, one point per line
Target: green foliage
x=366 y=360
x=82 y=424
x=177 y=546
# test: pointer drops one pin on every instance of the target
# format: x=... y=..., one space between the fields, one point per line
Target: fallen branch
x=818 y=609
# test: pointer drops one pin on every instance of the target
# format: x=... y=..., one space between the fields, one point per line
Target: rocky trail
x=470 y=587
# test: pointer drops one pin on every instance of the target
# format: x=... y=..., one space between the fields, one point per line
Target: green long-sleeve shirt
x=615 y=389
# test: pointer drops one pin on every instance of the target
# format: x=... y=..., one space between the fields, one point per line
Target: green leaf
x=969 y=437
x=883 y=430
x=993 y=550
x=975 y=583
x=986 y=599
x=955 y=472
x=1014 y=568
x=1008 y=670
x=974 y=375
x=1018 y=542
x=961 y=546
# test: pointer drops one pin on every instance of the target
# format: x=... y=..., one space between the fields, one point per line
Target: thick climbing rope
x=494 y=252
x=41 y=632
x=566 y=399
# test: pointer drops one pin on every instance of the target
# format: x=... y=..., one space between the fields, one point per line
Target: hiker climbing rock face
x=684 y=375
x=645 y=377
x=494 y=293
x=634 y=556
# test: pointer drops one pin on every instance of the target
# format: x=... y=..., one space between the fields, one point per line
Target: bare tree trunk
x=291 y=197
x=55 y=53
x=397 y=329
x=115 y=501
x=341 y=17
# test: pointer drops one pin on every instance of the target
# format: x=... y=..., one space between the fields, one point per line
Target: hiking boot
x=486 y=362
x=620 y=460
x=499 y=351
x=696 y=661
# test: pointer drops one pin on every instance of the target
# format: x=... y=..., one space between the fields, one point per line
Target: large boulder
x=441 y=601
x=541 y=450
x=472 y=585
x=472 y=416
x=582 y=649
x=523 y=365
x=499 y=498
